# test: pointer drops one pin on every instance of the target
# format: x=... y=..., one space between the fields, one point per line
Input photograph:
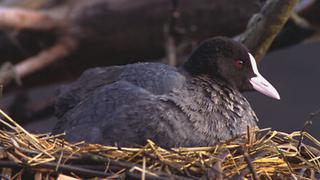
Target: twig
x=61 y=49
x=170 y=31
x=305 y=5
x=248 y=135
x=308 y=123
x=62 y=168
x=59 y=161
x=300 y=21
x=264 y=26
x=7 y=72
x=285 y=159
x=250 y=166
x=136 y=176
x=143 y=174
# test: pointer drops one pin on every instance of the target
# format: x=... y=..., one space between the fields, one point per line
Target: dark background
x=295 y=73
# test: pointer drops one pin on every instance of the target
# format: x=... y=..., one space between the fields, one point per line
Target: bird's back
x=154 y=77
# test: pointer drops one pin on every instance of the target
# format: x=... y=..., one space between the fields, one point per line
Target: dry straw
x=258 y=154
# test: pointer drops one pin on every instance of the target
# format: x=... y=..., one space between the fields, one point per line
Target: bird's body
x=173 y=107
x=162 y=105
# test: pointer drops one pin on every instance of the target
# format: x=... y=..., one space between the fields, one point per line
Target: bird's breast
x=214 y=110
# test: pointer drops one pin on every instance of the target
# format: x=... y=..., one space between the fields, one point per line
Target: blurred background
x=44 y=44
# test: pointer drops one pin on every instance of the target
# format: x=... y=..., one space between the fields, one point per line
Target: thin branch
x=285 y=159
x=60 y=50
x=170 y=32
x=250 y=165
x=16 y=18
x=62 y=168
x=264 y=26
x=7 y=73
x=308 y=123
x=305 y=5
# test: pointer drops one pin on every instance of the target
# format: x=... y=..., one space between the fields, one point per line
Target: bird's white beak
x=260 y=84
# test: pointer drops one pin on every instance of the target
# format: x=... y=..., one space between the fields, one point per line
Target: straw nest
x=258 y=154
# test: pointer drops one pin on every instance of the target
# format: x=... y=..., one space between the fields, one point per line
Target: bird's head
x=226 y=59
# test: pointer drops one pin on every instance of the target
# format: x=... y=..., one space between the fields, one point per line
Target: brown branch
x=26 y=19
x=171 y=51
x=309 y=12
x=170 y=34
x=7 y=74
x=264 y=26
x=61 y=49
x=250 y=166
x=18 y=19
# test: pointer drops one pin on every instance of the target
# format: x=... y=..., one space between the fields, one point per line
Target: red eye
x=239 y=64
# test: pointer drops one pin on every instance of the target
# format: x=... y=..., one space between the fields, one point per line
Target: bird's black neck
x=194 y=67
x=188 y=69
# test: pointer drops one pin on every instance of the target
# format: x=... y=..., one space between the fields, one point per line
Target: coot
x=198 y=104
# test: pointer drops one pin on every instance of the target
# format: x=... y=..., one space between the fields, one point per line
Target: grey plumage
x=129 y=104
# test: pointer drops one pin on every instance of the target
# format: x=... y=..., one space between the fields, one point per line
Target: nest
x=258 y=154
